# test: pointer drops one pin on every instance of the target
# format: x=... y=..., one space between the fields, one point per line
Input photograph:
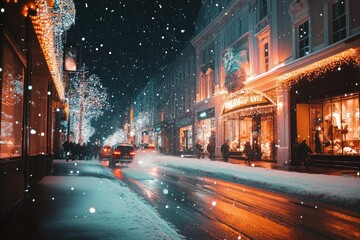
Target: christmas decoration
x=315 y=70
x=88 y=101
x=49 y=25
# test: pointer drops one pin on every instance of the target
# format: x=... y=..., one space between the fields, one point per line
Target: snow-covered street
x=88 y=200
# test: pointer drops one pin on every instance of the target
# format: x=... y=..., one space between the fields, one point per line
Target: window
x=11 y=105
x=338 y=21
x=240 y=27
x=262 y=9
x=303 y=39
x=266 y=57
x=332 y=125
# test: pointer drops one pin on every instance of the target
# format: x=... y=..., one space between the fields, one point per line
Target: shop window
x=333 y=125
x=232 y=134
x=338 y=20
x=245 y=131
x=186 y=141
x=205 y=131
x=267 y=137
x=11 y=105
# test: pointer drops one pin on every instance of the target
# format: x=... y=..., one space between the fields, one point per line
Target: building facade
x=143 y=123
x=32 y=96
x=269 y=73
x=274 y=71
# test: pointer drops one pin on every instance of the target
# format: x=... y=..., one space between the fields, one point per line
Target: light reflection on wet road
x=208 y=208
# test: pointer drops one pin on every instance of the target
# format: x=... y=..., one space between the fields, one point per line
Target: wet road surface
x=208 y=208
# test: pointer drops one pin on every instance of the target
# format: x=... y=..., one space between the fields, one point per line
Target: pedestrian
x=304 y=153
x=248 y=152
x=198 y=149
x=225 y=149
x=66 y=147
x=295 y=153
x=211 y=150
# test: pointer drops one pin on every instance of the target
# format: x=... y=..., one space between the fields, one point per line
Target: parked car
x=122 y=153
x=105 y=152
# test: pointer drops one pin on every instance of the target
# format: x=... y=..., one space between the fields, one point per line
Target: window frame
x=299 y=41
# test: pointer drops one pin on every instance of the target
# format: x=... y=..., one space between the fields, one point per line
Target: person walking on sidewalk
x=248 y=152
x=211 y=150
x=198 y=149
x=304 y=153
x=225 y=148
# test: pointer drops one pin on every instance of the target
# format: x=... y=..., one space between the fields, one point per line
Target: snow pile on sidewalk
x=89 y=207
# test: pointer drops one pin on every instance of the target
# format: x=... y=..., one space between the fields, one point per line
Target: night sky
x=128 y=42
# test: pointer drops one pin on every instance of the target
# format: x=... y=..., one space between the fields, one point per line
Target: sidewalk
x=302 y=169
x=290 y=168
x=83 y=200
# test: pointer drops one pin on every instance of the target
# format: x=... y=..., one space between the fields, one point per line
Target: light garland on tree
x=142 y=120
x=118 y=137
x=88 y=100
x=317 y=69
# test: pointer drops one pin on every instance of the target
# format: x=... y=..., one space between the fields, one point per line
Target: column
x=283 y=126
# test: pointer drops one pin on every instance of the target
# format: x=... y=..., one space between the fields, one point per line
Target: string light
x=317 y=69
x=49 y=33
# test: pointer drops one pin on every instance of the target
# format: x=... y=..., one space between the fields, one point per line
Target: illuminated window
x=331 y=124
x=11 y=105
x=338 y=21
x=266 y=57
x=264 y=50
x=303 y=39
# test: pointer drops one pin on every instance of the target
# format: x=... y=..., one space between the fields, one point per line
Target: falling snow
x=126 y=42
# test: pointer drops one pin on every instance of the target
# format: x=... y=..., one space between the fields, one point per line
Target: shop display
x=337 y=120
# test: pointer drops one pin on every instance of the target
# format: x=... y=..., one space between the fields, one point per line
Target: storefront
x=163 y=137
x=205 y=128
x=328 y=119
x=185 y=134
x=31 y=83
x=250 y=116
x=333 y=125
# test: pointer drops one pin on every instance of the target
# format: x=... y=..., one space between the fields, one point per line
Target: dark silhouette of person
x=248 y=152
x=198 y=148
x=295 y=153
x=211 y=150
x=225 y=149
x=304 y=153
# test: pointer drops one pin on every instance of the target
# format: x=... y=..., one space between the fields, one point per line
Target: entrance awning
x=248 y=102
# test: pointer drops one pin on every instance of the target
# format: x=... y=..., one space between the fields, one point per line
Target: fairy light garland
x=317 y=69
x=49 y=31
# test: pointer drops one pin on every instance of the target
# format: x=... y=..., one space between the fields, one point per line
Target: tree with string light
x=88 y=100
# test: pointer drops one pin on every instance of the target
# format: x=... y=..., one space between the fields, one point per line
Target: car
x=122 y=153
x=105 y=152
